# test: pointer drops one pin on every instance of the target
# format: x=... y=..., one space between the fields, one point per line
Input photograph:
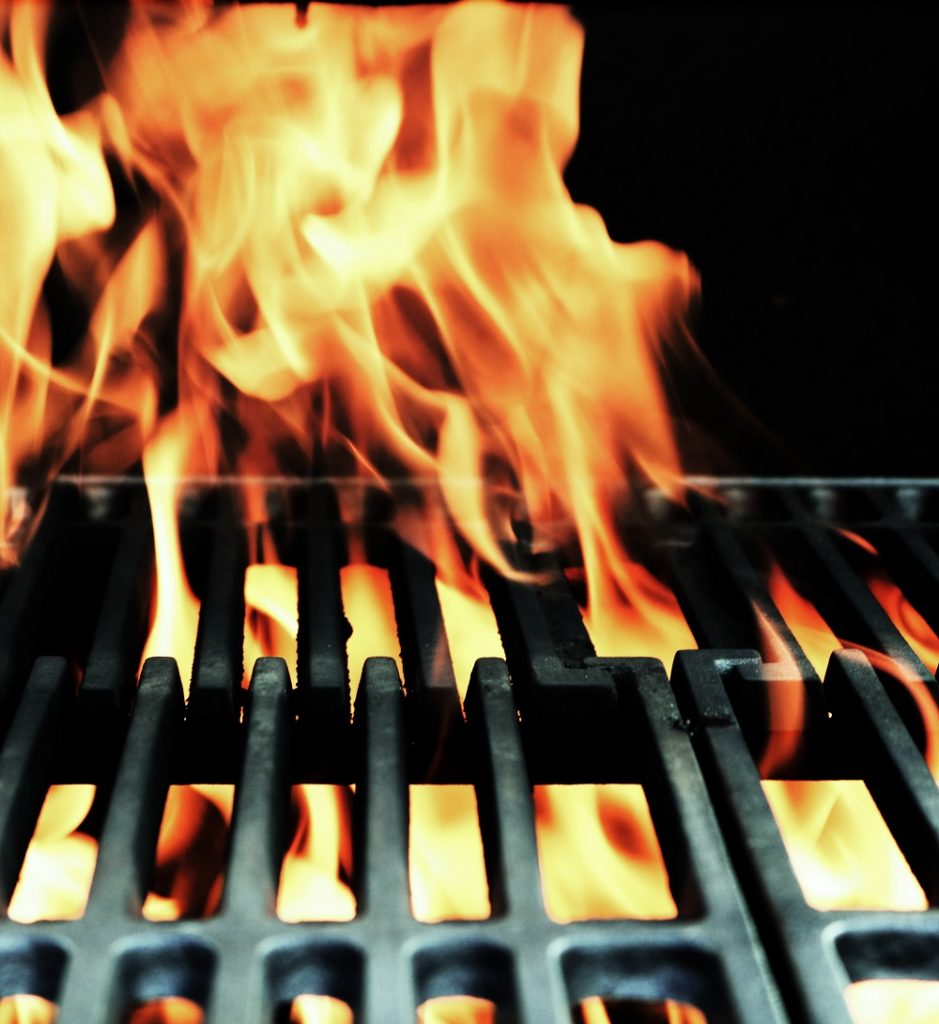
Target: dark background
x=788 y=150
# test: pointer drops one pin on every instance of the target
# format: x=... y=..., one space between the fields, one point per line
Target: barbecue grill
x=745 y=946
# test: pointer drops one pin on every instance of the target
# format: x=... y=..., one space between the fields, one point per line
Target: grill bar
x=553 y=712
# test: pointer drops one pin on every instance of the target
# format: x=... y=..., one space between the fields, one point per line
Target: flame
x=638 y=616
x=912 y=1002
x=471 y=629
x=271 y=622
x=818 y=642
x=369 y=608
x=319 y=1010
x=55 y=878
x=27 y=1009
x=456 y=1010
x=811 y=631
x=314 y=880
x=188 y=869
x=594 y=1011
x=842 y=852
x=176 y=619
x=840 y=848
x=172 y=1010
x=610 y=829
x=915 y=629
x=447 y=868
x=361 y=207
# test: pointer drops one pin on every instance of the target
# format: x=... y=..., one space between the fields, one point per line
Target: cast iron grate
x=566 y=716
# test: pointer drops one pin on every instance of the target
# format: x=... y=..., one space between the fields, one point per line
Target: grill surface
x=745 y=947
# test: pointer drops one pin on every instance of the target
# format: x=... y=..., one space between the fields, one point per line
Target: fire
x=594 y=1011
x=319 y=1010
x=818 y=642
x=912 y=1002
x=55 y=878
x=363 y=206
x=915 y=629
x=811 y=631
x=271 y=623
x=363 y=253
x=640 y=617
x=456 y=1010
x=188 y=869
x=27 y=1009
x=176 y=617
x=470 y=626
x=842 y=852
x=445 y=856
x=173 y=1010
x=369 y=607
x=314 y=880
x=608 y=828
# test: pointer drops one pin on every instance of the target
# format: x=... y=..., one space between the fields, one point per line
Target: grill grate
x=567 y=716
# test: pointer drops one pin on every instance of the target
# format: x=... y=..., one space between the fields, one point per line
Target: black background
x=788 y=150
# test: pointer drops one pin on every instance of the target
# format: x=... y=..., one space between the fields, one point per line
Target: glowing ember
x=599 y=854
x=55 y=877
x=843 y=854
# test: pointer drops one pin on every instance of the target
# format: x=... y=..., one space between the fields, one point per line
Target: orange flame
x=811 y=631
x=456 y=1010
x=176 y=619
x=909 y=1002
x=638 y=616
x=599 y=854
x=270 y=615
x=447 y=868
x=842 y=852
x=319 y=1010
x=27 y=1009
x=188 y=870
x=314 y=881
x=369 y=608
x=818 y=642
x=915 y=629
x=173 y=1010
x=470 y=625
x=55 y=878
x=594 y=1011
x=364 y=206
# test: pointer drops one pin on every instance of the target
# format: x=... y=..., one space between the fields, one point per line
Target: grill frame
x=696 y=765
